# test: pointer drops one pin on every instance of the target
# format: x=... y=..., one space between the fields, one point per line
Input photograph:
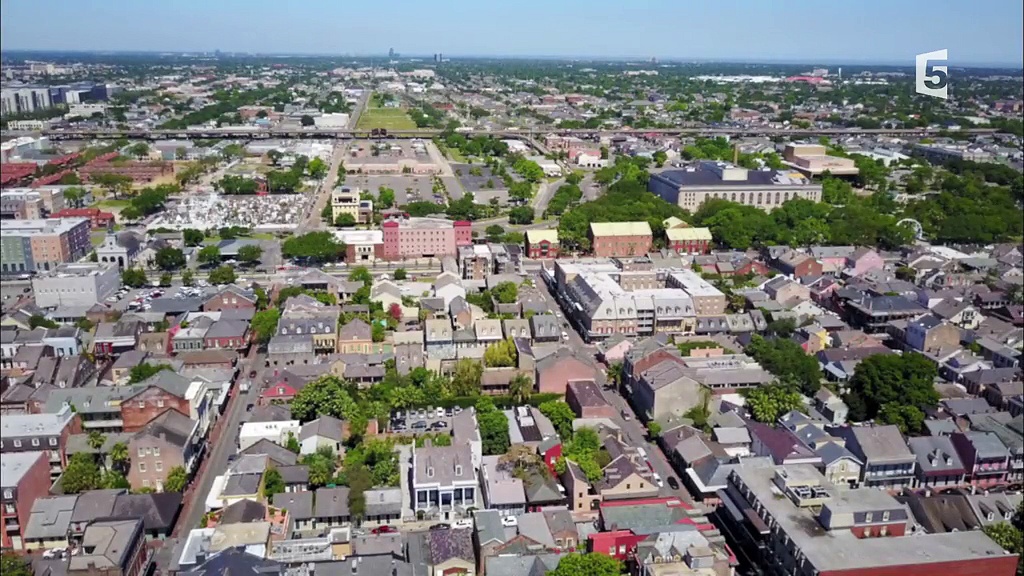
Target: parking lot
x=412 y=188
x=418 y=421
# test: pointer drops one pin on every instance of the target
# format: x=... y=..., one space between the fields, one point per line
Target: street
x=313 y=220
x=634 y=433
x=222 y=442
x=543 y=196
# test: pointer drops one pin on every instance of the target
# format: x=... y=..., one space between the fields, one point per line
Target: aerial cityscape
x=582 y=289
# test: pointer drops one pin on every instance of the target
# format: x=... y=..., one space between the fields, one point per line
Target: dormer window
x=885 y=516
x=458 y=470
x=430 y=471
x=868 y=517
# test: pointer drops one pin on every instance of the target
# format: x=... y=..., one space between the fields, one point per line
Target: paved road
x=223 y=441
x=543 y=196
x=353 y=120
x=312 y=220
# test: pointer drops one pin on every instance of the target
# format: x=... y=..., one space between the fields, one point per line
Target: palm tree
x=119 y=456
x=614 y=374
x=520 y=388
x=96 y=439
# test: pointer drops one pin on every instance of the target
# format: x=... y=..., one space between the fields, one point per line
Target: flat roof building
x=767 y=189
x=38 y=245
x=813 y=160
x=76 y=284
x=410 y=237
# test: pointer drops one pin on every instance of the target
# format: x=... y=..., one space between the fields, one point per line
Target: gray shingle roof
x=298 y=504
x=331 y=502
x=50 y=517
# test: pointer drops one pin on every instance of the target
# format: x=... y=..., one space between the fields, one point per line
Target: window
x=159 y=403
x=8 y=494
x=156 y=451
x=885 y=516
x=159 y=466
x=17 y=443
x=35 y=441
x=142 y=466
x=53 y=441
x=145 y=483
x=142 y=452
x=868 y=517
x=142 y=404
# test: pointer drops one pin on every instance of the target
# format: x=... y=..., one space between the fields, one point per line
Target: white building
x=276 y=432
x=76 y=284
x=331 y=120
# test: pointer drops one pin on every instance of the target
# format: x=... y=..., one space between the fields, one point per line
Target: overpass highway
x=320 y=133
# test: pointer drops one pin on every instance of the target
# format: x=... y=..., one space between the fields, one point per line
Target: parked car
x=509 y=521
x=440 y=412
x=673 y=483
x=440 y=527
x=439 y=424
x=419 y=425
x=383 y=530
x=459 y=524
x=252 y=374
x=658 y=480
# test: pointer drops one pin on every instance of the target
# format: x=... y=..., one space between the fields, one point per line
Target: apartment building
x=76 y=284
x=346 y=200
x=620 y=239
x=38 y=245
x=766 y=189
x=22 y=205
x=707 y=300
x=41 y=432
x=24 y=478
x=790 y=518
x=409 y=237
x=604 y=299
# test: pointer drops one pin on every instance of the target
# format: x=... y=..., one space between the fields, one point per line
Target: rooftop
x=840 y=549
x=14 y=466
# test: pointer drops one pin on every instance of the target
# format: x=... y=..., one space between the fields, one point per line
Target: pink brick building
x=406 y=237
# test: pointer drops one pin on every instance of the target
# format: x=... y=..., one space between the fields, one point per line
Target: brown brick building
x=142 y=408
x=25 y=477
x=622 y=239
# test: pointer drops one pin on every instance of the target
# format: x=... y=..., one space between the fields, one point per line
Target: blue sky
x=870 y=31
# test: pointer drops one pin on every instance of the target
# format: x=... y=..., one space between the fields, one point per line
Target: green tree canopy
x=768 y=403
x=314 y=246
x=589 y=564
x=907 y=379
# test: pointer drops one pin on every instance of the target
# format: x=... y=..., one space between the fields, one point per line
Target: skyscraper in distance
x=391 y=53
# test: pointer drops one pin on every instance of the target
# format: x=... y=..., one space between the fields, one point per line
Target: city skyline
x=740 y=32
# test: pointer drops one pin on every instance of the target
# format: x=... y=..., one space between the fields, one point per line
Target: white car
x=658 y=480
x=440 y=412
x=565 y=335
x=459 y=524
x=509 y=521
x=642 y=453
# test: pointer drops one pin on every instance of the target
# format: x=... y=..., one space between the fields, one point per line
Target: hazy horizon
x=986 y=33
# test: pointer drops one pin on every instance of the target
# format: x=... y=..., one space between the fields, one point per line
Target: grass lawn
x=112 y=203
x=97 y=238
x=457 y=156
x=387 y=118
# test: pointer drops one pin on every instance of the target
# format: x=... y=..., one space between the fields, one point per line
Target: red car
x=383 y=530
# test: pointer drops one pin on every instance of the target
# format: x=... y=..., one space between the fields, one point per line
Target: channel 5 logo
x=932 y=79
